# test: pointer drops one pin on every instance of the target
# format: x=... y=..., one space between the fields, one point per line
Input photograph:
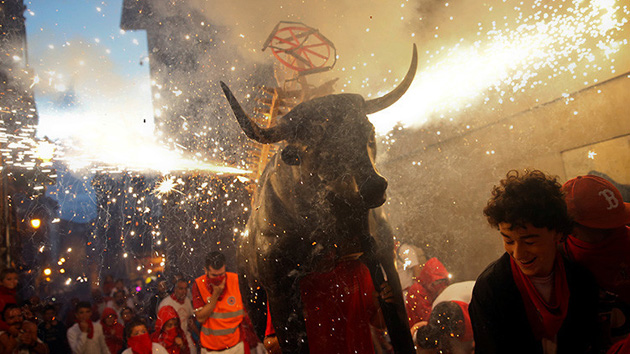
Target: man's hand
x=83 y=326
x=179 y=342
x=217 y=290
x=386 y=293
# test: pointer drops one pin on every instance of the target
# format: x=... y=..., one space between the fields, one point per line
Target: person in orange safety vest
x=219 y=308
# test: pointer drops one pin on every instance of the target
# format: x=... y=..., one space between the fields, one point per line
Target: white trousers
x=237 y=349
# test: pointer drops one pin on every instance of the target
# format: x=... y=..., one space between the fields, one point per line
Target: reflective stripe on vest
x=221 y=330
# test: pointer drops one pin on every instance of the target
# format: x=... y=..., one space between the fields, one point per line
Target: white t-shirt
x=81 y=344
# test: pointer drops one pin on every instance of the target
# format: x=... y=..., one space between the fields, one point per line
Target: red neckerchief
x=209 y=286
x=140 y=344
x=90 y=329
x=167 y=339
x=544 y=319
x=175 y=298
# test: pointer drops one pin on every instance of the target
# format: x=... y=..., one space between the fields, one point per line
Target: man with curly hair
x=531 y=300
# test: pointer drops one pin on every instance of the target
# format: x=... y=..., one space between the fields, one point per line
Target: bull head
x=332 y=137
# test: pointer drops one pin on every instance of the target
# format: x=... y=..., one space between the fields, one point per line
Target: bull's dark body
x=312 y=207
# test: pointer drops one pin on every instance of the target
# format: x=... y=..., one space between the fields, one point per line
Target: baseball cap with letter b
x=594 y=202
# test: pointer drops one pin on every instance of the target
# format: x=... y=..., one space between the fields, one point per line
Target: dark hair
x=136 y=321
x=8 y=307
x=7 y=271
x=215 y=260
x=531 y=198
x=83 y=305
x=49 y=307
x=446 y=319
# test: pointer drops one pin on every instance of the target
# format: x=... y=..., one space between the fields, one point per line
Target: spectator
x=108 y=285
x=433 y=278
x=160 y=293
x=8 y=290
x=118 y=301
x=183 y=306
x=218 y=307
x=98 y=304
x=53 y=332
x=112 y=330
x=600 y=241
x=448 y=329
x=126 y=314
x=139 y=341
x=85 y=336
x=21 y=337
x=531 y=300
x=169 y=333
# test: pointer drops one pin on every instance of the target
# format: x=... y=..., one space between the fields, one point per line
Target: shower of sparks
x=554 y=38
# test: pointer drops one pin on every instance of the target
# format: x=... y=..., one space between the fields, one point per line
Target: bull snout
x=372 y=191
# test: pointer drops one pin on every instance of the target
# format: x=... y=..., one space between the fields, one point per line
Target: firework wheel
x=301 y=48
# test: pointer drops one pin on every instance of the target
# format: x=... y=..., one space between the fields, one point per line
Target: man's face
x=49 y=315
x=215 y=276
x=181 y=289
x=172 y=323
x=138 y=330
x=84 y=314
x=13 y=318
x=119 y=298
x=532 y=248
x=126 y=315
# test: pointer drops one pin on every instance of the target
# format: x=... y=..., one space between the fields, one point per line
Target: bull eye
x=291 y=156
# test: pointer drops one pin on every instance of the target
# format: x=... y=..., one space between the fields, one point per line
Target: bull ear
x=291 y=155
x=251 y=129
x=380 y=103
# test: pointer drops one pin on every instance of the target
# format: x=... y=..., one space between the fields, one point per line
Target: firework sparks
x=166 y=186
x=527 y=51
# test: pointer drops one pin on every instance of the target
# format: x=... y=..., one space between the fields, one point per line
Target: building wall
x=437 y=193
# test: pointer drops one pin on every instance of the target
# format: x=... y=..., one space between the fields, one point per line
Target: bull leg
x=287 y=317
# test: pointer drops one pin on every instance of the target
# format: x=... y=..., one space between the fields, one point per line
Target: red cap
x=594 y=202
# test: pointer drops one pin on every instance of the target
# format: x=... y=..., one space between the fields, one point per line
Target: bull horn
x=377 y=104
x=251 y=129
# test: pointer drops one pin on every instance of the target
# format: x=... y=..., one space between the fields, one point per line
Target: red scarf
x=175 y=298
x=90 y=329
x=167 y=339
x=140 y=344
x=544 y=318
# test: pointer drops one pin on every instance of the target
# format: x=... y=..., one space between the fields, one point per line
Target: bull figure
x=312 y=204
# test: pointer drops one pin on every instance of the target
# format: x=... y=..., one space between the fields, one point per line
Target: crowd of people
x=562 y=286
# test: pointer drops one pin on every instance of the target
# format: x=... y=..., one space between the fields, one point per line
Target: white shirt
x=185 y=311
x=156 y=348
x=81 y=344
